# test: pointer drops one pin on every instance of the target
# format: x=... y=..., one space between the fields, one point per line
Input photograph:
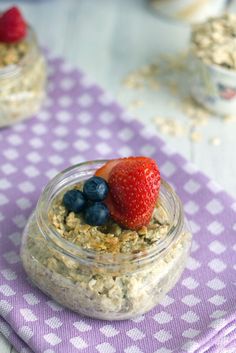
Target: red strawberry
x=105 y=170
x=13 y=27
x=134 y=185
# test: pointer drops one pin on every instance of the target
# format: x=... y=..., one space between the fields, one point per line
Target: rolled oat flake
x=214 y=41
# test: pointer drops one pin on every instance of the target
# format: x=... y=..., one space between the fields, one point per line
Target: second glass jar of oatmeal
x=104 y=272
x=22 y=79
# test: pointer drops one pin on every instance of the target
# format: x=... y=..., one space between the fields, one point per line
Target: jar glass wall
x=97 y=284
x=23 y=81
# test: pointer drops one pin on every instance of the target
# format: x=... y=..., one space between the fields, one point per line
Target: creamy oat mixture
x=214 y=41
x=22 y=90
x=100 y=291
x=11 y=54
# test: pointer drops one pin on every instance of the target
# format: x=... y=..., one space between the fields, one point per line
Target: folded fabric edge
x=222 y=338
x=12 y=337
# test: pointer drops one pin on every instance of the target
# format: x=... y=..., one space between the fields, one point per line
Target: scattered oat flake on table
x=170 y=71
x=195 y=111
x=196 y=136
x=141 y=77
x=215 y=141
x=137 y=103
x=132 y=82
x=176 y=62
x=153 y=84
x=229 y=118
x=173 y=87
x=170 y=127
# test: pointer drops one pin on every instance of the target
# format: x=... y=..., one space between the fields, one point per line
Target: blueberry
x=74 y=201
x=96 y=189
x=97 y=214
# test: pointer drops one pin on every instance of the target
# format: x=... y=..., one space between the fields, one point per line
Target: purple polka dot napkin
x=80 y=122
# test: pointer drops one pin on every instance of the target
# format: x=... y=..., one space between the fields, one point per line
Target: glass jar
x=102 y=285
x=22 y=85
x=190 y=11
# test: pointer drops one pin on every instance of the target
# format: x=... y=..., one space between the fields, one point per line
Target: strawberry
x=105 y=170
x=13 y=27
x=134 y=184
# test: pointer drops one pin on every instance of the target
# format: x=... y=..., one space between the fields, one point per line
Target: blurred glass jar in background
x=22 y=79
x=190 y=11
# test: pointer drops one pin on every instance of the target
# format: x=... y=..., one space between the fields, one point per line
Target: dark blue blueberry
x=97 y=214
x=74 y=201
x=96 y=189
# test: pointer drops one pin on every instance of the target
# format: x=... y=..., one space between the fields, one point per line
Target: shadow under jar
x=23 y=82
x=100 y=284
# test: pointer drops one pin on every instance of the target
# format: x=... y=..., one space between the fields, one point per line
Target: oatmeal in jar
x=22 y=69
x=212 y=61
x=214 y=41
x=82 y=250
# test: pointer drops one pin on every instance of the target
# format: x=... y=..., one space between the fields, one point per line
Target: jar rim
x=67 y=178
x=15 y=69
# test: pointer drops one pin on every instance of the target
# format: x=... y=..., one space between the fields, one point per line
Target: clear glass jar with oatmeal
x=22 y=79
x=103 y=272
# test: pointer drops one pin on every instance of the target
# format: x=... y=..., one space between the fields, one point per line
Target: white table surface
x=110 y=38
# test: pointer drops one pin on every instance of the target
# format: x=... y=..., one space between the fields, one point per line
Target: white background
x=110 y=38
